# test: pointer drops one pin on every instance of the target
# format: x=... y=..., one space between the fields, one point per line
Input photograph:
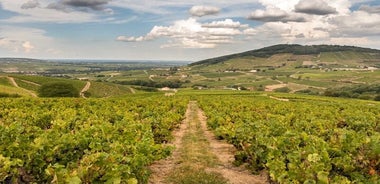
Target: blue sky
x=188 y=30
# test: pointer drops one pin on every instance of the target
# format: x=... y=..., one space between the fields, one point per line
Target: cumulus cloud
x=30 y=4
x=315 y=7
x=349 y=40
x=250 y=31
x=131 y=39
x=227 y=23
x=370 y=9
x=28 y=47
x=200 y=11
x=356 y=24
x=192 y=34
x=16 y=45
x=23 y=40
x=273 y=14
x=63 y=5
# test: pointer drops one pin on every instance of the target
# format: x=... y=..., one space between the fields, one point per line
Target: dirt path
x=279 y=99
x=161 y=169
x=14 y=83
x=199 y=157
x=132 y=90
x=30 y=82
x=85 y=88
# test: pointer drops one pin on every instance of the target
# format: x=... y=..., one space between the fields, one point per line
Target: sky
x=179 y=30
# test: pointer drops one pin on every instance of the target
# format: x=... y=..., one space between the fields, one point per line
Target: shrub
x=377 y=98
x=58 y=89
x=6 y=95
x=282 y=90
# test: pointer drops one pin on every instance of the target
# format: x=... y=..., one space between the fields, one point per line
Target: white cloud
x=28 y=47
x=250 y=31
x=315 y=7
x=24 y=41
x=30 y=4
x=131 y=39
x=227 y=23
x=287 y=5
x=358 y=23
x=201 y=11
x=370 y=9
x=273 y=14
x=349 y=40
x=36 y=11
x=192 y=34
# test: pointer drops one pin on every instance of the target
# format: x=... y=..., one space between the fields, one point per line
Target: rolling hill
x=285 y=68
x=339 y=53
x=290 y=68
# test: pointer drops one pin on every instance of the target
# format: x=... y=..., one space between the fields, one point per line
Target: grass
x=103 y=89
x=5 y=81
x=13 y=90
x=43 y=80
x=195 y=156
x=221 y=74
x=26 y=85
x=191 y=175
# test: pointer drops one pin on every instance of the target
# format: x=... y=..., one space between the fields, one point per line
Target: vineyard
x=292 y=138
x=85 y=141
x=303 y=140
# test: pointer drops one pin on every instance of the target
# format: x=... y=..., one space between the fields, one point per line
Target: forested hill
x=286 y=48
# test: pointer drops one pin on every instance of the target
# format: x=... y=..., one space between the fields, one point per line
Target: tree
x=377 y=98
x=58 y=89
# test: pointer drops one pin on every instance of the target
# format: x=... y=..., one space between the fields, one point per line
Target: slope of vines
x=85 y=140
x=303 y=140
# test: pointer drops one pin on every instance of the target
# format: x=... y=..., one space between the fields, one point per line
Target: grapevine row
x=302 y=140
x=85 y=140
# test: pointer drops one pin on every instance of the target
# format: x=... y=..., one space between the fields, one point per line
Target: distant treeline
x=6 y=95
x=367 y=92
x=285 y=48
x=154 y=84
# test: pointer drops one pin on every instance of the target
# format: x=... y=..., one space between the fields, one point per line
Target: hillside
x=291 y=68
x=339 y=70
x=366 y=55
x=26 y=85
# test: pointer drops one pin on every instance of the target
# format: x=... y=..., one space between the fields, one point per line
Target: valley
x=282 y=114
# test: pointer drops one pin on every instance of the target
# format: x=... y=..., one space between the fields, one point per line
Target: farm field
x=287 y=138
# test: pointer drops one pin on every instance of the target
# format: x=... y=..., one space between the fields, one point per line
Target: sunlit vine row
x=302 y=140
x=85 y=140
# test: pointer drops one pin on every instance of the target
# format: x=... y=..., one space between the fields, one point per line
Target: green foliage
x=44 y=80
x=305 y=140
x=190 y=175
x=154 y=84
x=85 y=140
x=285 y=48
x=6 y=95
x=5 y=81
x=377 y=98
x=106 y=89
x=58 y=89
x=365 y=92
x=283 y=90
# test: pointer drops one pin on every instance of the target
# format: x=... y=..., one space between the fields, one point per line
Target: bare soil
x=225 y=153
x=222 y=151
x=85 y=88
x=162 y=168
